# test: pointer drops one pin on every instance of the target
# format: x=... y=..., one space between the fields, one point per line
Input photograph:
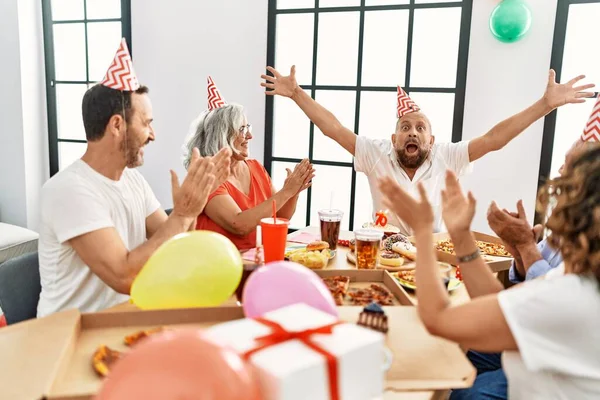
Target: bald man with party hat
x=412 y=155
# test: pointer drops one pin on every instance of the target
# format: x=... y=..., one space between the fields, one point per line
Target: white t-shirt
x=377 y=158
x=76 y=201
x=556 y=324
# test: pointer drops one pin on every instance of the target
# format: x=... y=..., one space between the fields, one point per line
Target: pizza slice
x=493 y=249
x=338 y=286
x=135 y=338
x=104 y=359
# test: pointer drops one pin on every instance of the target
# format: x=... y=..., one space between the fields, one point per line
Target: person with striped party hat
x=100 y=220
x=236 y=207
x=412 y=155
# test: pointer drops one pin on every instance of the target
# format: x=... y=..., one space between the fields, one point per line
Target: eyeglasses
x=246 y=129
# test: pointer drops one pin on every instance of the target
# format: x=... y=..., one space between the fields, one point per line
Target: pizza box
x=497 y=264
x=50 y=358
x=363 y=278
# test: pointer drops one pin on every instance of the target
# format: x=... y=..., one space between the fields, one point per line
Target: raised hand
x=557 y=94
x=282 y=85
x=458 y=210
x=222 y=162
x=300 y=178
x=190 y=198
x=416 y=213
x=512 y=228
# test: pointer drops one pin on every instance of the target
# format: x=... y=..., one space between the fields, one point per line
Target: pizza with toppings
x=374 y=294
x=491 y=249
x=135 y=338
x=104 y=359
x=338 y=286
x=407 y=277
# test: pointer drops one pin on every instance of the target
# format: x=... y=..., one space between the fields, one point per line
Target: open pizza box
x=50 y=358
x=496 y=264
x=364 y=278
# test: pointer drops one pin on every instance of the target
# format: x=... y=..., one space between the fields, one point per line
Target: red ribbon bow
x=381 y=219
x=279 y=335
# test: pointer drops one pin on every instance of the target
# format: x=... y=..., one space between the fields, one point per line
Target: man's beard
x=131 y=151
x=414 y=160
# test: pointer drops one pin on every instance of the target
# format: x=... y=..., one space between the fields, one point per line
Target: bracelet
x=470 y=257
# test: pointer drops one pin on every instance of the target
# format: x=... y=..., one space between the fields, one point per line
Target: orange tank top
x=260 y=191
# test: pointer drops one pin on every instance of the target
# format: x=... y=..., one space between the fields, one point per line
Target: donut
x=388 y=242
x=390 y=259
x=406 y=250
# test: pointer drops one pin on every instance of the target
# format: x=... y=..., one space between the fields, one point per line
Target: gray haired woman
x=237 y=206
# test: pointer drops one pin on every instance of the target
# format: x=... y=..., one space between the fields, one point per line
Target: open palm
x=458 y=210
x=279 y=84
x=566 y=93
x=416 y=213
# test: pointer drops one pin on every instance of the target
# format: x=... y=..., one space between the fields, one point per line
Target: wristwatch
x=470 y=257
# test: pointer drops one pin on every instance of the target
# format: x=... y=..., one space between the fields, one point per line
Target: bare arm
x=105 y=254
x=477 y=276
x=224 y=211
x=555 y=96
x=479 y=324
x=482 y=324
x=289 y=208
x=458 y=211
x=155 y=221
x=327 y=122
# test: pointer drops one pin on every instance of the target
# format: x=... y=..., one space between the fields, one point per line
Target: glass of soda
x=330 y=226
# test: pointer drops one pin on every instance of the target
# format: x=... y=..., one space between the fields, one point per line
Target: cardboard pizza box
x=50 y=358
x=363 y=278
x=497 y=264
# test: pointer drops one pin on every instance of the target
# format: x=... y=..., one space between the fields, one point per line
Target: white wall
x=33 y=90
x=227 y=39
x=23 y=123
x=175 y=45
x=12 y=163
x=503 y=79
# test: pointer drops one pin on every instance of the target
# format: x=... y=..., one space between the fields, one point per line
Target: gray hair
x=213 y=130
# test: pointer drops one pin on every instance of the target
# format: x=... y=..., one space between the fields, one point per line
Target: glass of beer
x=368 y=242
x=330 y=226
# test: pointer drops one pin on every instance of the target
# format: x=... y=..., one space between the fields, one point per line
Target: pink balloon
x=284 y=283
x=180 y=365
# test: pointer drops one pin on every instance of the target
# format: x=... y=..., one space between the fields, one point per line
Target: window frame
x=48 y=24
x=556 y=62
x=459 y=90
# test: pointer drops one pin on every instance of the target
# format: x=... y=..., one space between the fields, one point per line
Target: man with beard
x=100 y=221
x=412 y=156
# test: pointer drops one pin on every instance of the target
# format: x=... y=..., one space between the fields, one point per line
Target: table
x=340 y=262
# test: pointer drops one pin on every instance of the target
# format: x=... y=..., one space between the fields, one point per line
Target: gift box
x=298 y=353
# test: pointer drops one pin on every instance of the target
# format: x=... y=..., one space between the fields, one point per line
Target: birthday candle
x=258 y=236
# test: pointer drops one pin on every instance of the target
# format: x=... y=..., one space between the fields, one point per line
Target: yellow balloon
x=194 y=269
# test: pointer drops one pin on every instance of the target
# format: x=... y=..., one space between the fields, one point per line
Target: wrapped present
x=298 y=353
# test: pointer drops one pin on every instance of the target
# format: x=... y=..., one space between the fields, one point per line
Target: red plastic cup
x=274 y=238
